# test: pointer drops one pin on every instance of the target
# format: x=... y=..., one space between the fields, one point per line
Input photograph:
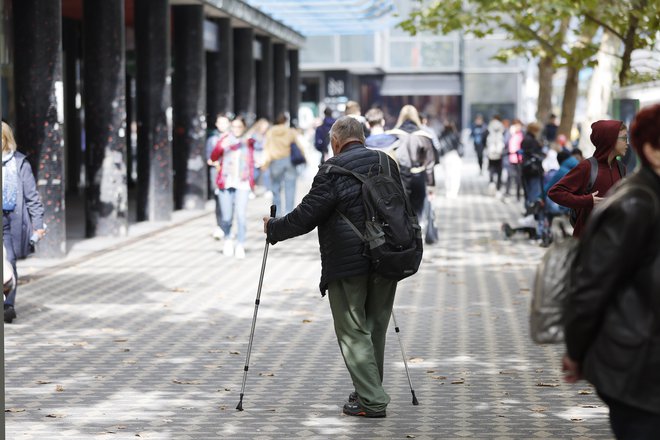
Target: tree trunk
x=629 y=42
x=546 y=72
x=569 y=102
x=600 y=88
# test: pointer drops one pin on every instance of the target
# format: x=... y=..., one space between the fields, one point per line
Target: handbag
x=297 y=157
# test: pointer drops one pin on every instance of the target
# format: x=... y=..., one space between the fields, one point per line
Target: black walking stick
x=254 y=317
x=405 y=362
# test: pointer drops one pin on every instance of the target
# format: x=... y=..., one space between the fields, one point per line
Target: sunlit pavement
x=148 y=340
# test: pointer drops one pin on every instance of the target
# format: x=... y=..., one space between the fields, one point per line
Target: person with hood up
x=610 y=137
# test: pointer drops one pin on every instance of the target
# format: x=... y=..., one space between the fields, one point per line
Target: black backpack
x=392 y=237
x=572 y=213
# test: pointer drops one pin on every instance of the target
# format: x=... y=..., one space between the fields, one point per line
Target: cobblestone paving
x=149 y=340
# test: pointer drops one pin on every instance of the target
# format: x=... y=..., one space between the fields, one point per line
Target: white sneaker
x=228 y=248
x=218 y=234
x=239 y=252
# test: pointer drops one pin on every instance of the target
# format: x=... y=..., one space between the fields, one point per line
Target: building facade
x=110 y=100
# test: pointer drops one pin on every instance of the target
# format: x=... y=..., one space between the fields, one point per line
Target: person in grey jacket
x=361 y=300
x=22 y=209
x=612 y=315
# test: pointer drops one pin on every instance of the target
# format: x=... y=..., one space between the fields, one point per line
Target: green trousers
x=361 y=309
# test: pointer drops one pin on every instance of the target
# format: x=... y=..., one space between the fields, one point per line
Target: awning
x=330 y=17
x=421 y=85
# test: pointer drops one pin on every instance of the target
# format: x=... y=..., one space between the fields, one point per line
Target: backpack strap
x=622 y=167
x=592 y=175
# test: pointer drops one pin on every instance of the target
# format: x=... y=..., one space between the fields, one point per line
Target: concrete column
x=189 y=98
x=220 y=73
x=280 y=83
x=39 y=109
x=105 y=118
x=294 y=86
x=244 y=83
x=264 y=74
x=74 y=157
x=154 y=158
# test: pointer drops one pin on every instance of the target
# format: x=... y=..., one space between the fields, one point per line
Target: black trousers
x=630 y=423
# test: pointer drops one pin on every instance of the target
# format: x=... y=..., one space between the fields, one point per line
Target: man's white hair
x=346 y=128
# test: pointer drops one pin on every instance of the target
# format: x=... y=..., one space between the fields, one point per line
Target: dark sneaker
x=353 y=397
x=10 y=313
x=355 y=409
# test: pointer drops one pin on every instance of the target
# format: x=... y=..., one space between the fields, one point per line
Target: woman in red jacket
x=610 y=138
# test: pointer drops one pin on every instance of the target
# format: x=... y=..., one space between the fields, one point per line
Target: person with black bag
x=360 y=295
x=612 y=313
x=532 y=165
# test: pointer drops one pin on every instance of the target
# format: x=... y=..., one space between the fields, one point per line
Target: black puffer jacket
x=341 y=248
x=612 y=317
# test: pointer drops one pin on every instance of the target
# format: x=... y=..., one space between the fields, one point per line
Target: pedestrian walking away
x=612 y=314
x=360 y=299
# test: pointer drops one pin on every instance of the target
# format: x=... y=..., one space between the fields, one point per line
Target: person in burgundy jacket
x=610 y=137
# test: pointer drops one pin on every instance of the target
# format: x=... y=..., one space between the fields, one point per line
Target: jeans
x=282 y=171
x=514 y=176
x=361 y=309
x=234 y=200
x=630 y=423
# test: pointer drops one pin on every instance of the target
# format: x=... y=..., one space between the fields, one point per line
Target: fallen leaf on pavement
x=15 y=410
x=43 y=382
x=439 y=377
x=59 y=388
x=186 y=382
x=178 y=289
x=56 y=416
x=585 y=392
x=546 y=384
x=267 y=374
x=416 y=360
x=458 y=381
x=234 y=352
x=576 y=419
x=306 y=321
x=538 y=408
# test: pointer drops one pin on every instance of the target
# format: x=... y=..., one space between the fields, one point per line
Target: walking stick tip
x=240 y=403
x=414 y=402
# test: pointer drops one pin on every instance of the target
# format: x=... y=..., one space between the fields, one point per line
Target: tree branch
x=605 y=25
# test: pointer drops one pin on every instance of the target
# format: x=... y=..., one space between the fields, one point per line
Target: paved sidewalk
x=148 y=340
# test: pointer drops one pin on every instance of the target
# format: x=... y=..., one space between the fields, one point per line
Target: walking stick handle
x=273 y=209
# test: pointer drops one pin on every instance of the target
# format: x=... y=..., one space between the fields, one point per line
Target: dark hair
x=645 y=129
x=562 y=156
x=280 y=119
x=241 y=119
x=576 y=151
x=327 y=112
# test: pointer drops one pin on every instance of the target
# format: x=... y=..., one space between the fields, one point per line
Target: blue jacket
x=29 y=212
x=565 y=167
